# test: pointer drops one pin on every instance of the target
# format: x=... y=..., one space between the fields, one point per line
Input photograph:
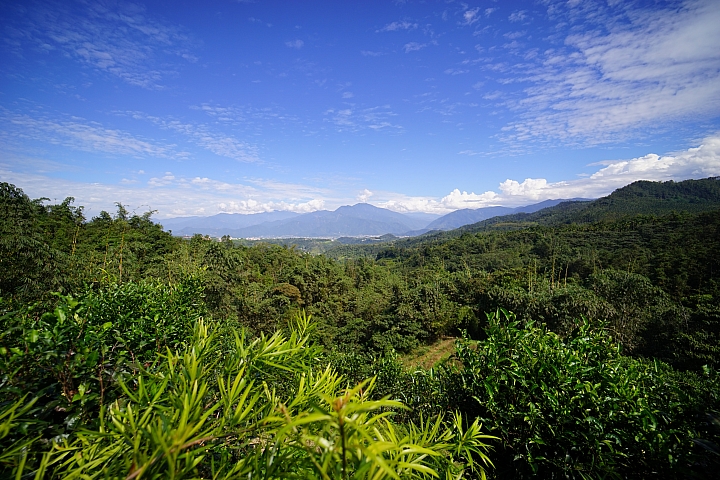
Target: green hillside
x=586 y=348
x=638 y=198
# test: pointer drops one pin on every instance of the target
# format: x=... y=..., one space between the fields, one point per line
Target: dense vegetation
x=128 y=353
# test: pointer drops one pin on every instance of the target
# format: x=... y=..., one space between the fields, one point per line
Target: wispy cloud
x=298 y=44
x=120 y=39
x=356 y=119
x=246 y=116
x=289 y=191
x=646 y=71
x=414 y=46
x=80 y=134
x=697 y=162
x=514 y=35
x=470 y=16
x=257 y=20
x=395 y=26
x=518 y=16
x=455 y=71
x=206 y=137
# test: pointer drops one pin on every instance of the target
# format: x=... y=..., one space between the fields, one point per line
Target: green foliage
x=574 y=407
x=416 y=291
x=51 y=248
x=71 y=359
x=163 y=357
x=639 y=274
x=639 y=198
x=29 y=263
x=212 y=411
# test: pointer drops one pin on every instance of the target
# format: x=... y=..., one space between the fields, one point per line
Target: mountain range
x=638 y=198
x=357 y=220
x=467 y=216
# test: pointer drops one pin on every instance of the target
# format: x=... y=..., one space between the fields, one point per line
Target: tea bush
x=576 y=407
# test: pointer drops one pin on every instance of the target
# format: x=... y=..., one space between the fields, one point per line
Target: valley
x=492 y=320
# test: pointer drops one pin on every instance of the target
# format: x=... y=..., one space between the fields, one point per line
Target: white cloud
x=529 y=188
x=295 y=44
x=347 y=95
x=172 y=195
x=119 y=39
x=696 y=162
x=206 y=137
x=414 y=46
x=394 y=26
x=178 y=195
x=641 y=72
x=364 y=195
x=407 y=204
x=518 y=16
x=253 y=206
x=168 y=179
x=470 y=16
x=80 y=134
x=456 y=200
x=453 y=201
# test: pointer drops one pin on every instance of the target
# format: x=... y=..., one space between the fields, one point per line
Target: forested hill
x=638 y=198
x=203 y=354
x=678 y=252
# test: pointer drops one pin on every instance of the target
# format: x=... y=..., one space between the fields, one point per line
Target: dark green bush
x=70 y=360
x=576 y=407
x=205 y=411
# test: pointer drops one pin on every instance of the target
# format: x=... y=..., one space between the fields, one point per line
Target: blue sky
x=196 y=108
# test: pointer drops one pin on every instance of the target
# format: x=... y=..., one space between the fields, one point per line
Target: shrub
x=575 y=407
x=218 y=408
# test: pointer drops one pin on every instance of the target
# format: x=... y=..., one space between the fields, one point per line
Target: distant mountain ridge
x=467 y=216
x=216 y=225
x=638 y=198
x=357 y=220
x=361 y=219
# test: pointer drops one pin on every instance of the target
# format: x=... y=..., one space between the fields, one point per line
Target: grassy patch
x=430 y=355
